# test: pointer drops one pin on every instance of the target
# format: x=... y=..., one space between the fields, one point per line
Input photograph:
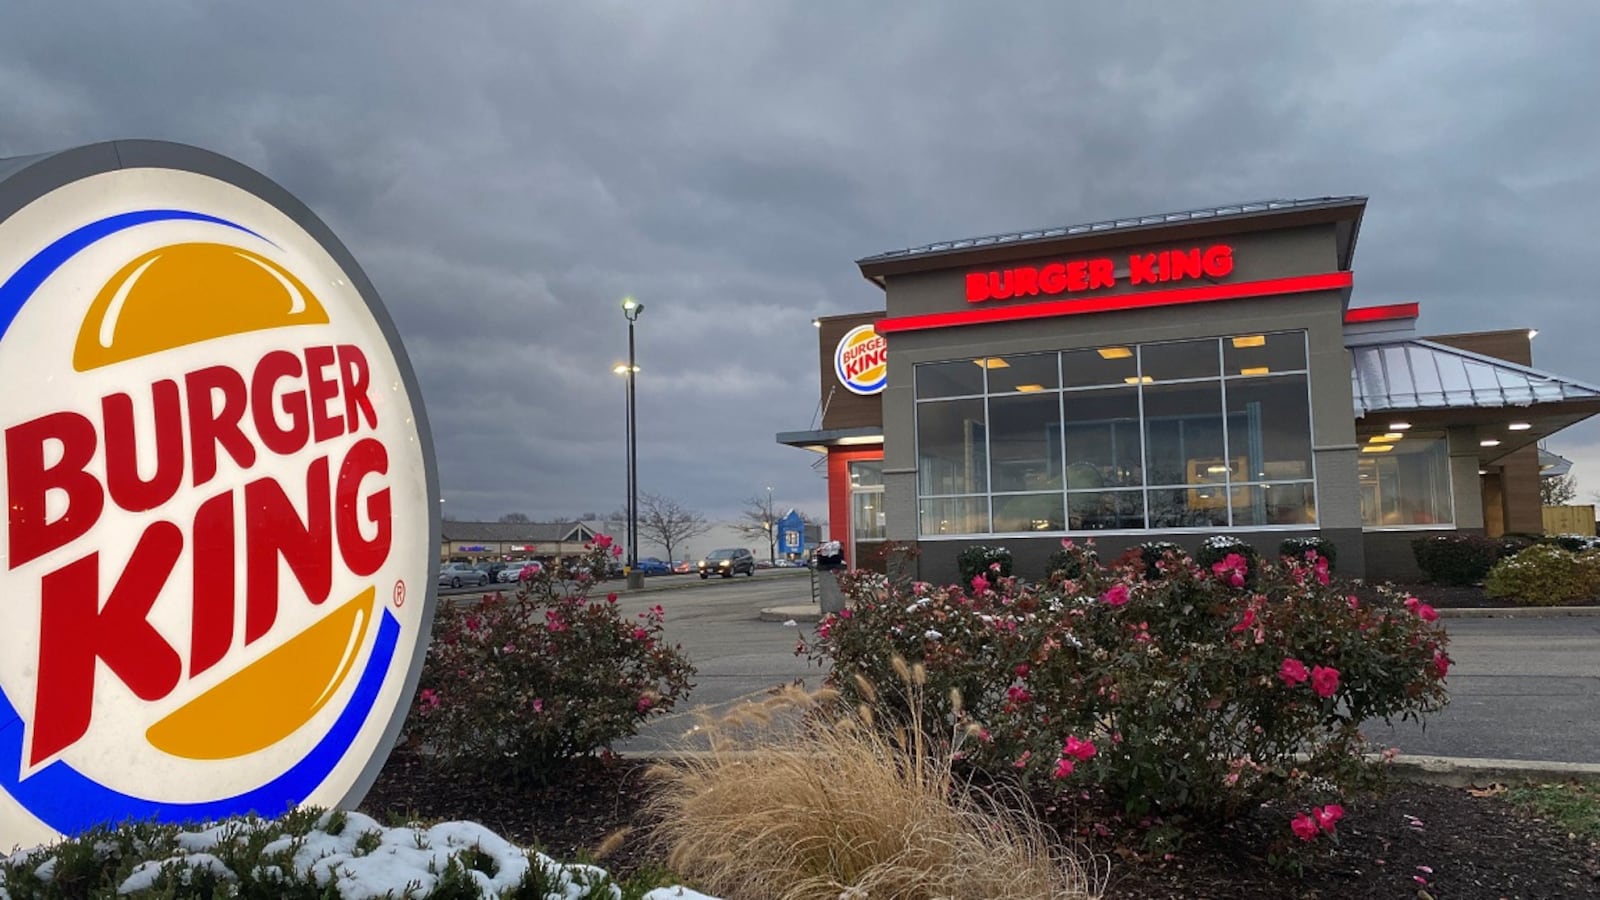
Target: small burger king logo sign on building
x=220 y=498
x=861 y=361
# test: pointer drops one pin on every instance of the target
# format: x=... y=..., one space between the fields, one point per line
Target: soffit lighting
x=1255 y=370
x=1483 y=471
x=992 y=362
x=1250 y=340
x=1114 y=352
x=1519 y=426
x=1489 y=442
x=1132 y=380
x=1399 y=426
x=1029 y=388
x=1377 y=448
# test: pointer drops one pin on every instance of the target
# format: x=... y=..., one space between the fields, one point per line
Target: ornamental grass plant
x=797 y=800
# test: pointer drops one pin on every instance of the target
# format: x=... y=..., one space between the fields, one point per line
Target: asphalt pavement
x=1524 y=689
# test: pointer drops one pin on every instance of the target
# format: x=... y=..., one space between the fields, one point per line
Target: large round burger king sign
x=219 y=493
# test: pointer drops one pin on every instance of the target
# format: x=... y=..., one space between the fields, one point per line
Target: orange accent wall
x=839 y=461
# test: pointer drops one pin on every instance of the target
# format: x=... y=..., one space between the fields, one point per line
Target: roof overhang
x=822 y=441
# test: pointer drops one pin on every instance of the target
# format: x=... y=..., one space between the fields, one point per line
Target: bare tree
x=665 y=521
x=1558 y=491
x=520 y=518
x=758 y=521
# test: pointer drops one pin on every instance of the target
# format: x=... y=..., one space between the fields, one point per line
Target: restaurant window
x=1198 y=434
x=1405 y=480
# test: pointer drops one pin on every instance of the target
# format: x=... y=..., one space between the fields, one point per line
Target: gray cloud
x=507 y=172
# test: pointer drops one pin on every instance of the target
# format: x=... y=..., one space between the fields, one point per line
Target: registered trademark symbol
x=399 y=593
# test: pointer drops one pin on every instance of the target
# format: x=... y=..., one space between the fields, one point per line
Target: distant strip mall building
x=1170 y=377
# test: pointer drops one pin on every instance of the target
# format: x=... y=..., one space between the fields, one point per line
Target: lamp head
x=631 y=308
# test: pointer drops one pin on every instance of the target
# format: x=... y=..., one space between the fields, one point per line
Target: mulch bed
x=1466 y=845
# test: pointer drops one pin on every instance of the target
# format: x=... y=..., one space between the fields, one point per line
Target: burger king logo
x=221 y=524
x=862 y=360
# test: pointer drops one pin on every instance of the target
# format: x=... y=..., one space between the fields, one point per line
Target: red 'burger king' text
x=287 y=403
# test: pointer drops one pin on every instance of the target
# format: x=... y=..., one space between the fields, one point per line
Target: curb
x=1519 y=612
x=1466 y=771
x=808 y=614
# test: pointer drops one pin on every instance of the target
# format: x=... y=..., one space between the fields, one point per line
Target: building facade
x=1170 y=377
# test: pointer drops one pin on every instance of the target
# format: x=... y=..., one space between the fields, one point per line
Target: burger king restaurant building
x=1170 y=377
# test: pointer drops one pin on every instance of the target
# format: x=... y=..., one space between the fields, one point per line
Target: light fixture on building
x=1250 y=340
x=1399 y=426
x=816 y=323
x=1255 y=370
x=1519 y=426
x=1114 y=352
x=1533 y=333
x=1483 y=471
x=1489 y=442
x=992 y=362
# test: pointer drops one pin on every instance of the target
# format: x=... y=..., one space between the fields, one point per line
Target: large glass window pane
x=1025 y=442
x=951 y=448
x=1102 y=366
x=954 y=515
x=1028 y=512
x=1263 y=354
x=1024 y=374
x=949 y=379
x=866 y=473
x=1179 y=359
x=1269 y=428
x=1200 y=507
x=1408 y=484
x=1102 y=434
x=1183 y=433
x=867 y=521
x=1275 y=504
x=1097 y=510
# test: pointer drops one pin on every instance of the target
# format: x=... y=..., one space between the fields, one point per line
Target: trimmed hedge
x=977 y=559
x=1456 y=558
x=1545 y=575
x=1296 y=548
x=1219 y=547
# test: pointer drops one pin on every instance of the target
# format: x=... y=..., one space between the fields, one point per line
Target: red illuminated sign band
x=1389 y=313
x=1169 y=297
x=1081 y=275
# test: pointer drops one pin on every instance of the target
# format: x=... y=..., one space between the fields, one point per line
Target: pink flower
x=1411 y=603
x=1064 y=768
x=1441 y=664
x=538 y=704
x=644 y=703
x=1117 y=596
x=1245 y=623
x=1322 y=570
x=1293 y=672
x=1304 y=828
x=1022 y=670
x=1328 y=816
x=554 y=622
x=1427 y=613
x=1018 y=694
x=1231 y=568
x=1353 y=601
x=1079 y=750
x=602 y=541
x=1022 y=761
x=611 y=597
x=640 y=634
x=844 y=613
x=616 y=551
x=979 y=584
x=429 y=698
x=1324 y=680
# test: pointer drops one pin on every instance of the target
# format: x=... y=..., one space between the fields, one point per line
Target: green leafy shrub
x=1298 y=547
x=982 y=560
x=1455 y=558
x=523 y=684
x=1201 y=699
x=1217 y=548
x=1151 y=553
x=1545 y=575
x=1066 y=564
x=1512 y=543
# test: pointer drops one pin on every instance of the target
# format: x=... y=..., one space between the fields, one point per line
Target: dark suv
x=728 y=563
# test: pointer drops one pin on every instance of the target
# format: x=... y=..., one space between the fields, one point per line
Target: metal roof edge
x=1501 y=363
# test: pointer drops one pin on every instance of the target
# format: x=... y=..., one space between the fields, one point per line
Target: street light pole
x=626 y=372
x=772 y=530
x=631 y=309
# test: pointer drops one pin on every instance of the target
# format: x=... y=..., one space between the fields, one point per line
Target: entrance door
x=867 y=521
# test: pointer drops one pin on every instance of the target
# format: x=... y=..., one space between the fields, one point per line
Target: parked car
x=682 y=567
x=458 y=574
x=728 y=563
x=649 y=565
x=521 y=570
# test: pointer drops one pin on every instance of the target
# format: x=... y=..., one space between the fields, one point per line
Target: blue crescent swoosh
x=71 y=802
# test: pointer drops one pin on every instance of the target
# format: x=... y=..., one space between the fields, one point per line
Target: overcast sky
x=507 y=172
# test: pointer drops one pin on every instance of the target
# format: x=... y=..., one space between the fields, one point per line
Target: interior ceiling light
x=1250 y=340
x=1399 y=426
x=1216 y=470
x=1255 y=370
x=1030 y=388
x=1132 y=380
x=1114 y=352
x=1519 y=426
x=1389 y=438
x=992 y=362
x=1489 y=442
x=1377 y=448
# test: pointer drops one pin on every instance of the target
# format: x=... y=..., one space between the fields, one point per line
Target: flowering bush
x=1218 y=548
x=527 y=682
x=1455 y=558
x=980 y=560
x=1199 y=694
x=1298 y=547
x=1545 y=575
